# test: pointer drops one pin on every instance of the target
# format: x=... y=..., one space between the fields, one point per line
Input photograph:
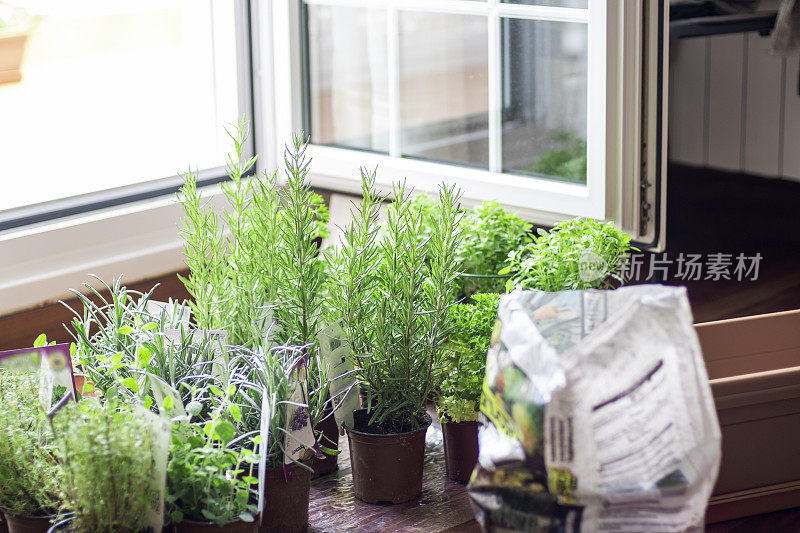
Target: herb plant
x=29 y=474
x=465 y=365
x=392 y=296
x=106 y=451
x=575 y=254
x=210 y=476
x=266 y=385
x=489 y=234
x=239 y=282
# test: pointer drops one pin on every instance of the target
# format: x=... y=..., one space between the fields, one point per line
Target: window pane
x=348 y=82
x=443 y=87
x=544 y=98
x=116 y=93
x=583 y=4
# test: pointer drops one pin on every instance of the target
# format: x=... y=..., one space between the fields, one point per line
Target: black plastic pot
x=387 y=468
x=286 y=504
x=329 y=438
x=27 y=524
x=187 y=526
x=460 y=449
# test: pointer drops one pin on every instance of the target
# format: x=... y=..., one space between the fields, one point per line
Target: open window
x=552 y=107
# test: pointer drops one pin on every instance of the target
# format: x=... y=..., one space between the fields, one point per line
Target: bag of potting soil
x=50 y=366
x=598 y=415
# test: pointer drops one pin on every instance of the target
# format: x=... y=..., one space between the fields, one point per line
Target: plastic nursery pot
x=187 y=526
x=329 y=438
x=27 y=524
x=387 y=468
x=460 y=449
x=285 y=504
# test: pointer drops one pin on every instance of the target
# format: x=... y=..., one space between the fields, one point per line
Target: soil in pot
x=387 y=462
x=27 y=524
x=329 y=438
x=286 y=504
x=187 y=526
x=460 y=449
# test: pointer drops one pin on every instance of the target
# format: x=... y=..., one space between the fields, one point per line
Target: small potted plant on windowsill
x=287 y=480
x=29 y=474
x=16 y=26
x=391 y=297
x=462 y=382
x=108 y=457
x=489 y=234
x=576 y=254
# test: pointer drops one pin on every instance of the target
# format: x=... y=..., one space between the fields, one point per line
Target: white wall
x=734 y=106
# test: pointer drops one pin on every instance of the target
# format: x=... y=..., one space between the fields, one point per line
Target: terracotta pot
x=387 y=468
x=329 y=438
x=460 y=449
x=27 y=524
x=187 y=526
x=286 y=504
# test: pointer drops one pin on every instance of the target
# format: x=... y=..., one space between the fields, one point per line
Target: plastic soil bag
x=598 y=415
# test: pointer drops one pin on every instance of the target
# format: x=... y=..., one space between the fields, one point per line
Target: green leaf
x=40 y=341
x=125 y=330
x=148 y=402
x=194 y=408
x=246 y=517
x=88 y=387
x=150 y=326
x=329 y=451
x=169 y=403
x=236 y=413
x=131 y=384
x=225 y=431
x=177 y=516
x=215 y=390
x=143 y=356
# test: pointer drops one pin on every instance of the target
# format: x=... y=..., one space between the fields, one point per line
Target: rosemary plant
x=398 y=327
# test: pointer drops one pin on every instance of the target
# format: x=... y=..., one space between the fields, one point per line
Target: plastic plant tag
x=299 y=435
x=162 y=435
x=53 y=366
x=166 y=397
x=340 y=370
x=598 y=414
x=176 y=313
x=263 y=447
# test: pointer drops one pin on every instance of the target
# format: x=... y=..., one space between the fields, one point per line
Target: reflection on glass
x=443 y=87
x=581 y=4
x=544 y=98
x=348 y=77
x=141 y=90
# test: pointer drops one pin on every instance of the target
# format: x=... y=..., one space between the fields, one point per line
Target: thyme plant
x=106 y=452
x=392 y=296
x=29 y=474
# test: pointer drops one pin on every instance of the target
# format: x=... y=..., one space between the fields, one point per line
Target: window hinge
x=644 y=185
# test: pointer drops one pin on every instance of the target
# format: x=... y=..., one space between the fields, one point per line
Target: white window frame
x=614 y=116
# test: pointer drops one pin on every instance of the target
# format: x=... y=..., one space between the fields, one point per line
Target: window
x=116 y=97
x=552 y=107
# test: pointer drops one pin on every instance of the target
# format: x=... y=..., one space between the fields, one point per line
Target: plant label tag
x=299 y=433
x=263 y=447
x=53 y=365
x=175 y=313
x=161 y=391
x=162 y=435
x=341 y=373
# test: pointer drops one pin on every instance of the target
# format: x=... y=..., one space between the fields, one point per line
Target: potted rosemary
x=263 y=284
x=391 y=297
x=29 y=474
x=462 y=382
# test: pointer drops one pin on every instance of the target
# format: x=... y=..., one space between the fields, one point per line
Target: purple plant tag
x=52 y=364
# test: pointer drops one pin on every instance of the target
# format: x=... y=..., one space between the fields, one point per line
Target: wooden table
x=442 y=507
